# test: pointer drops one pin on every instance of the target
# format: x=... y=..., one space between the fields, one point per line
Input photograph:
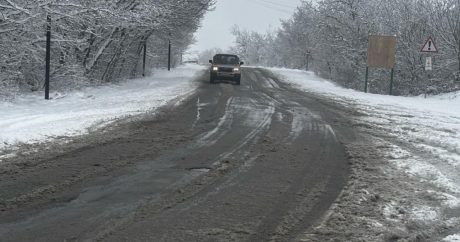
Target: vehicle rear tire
x=238 y=81
x=212 y=79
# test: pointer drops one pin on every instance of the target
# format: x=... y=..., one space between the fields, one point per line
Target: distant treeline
x=92 y=41
x=335 y=33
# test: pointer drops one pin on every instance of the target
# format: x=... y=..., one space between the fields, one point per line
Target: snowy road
x=256 y=162
x=285 y=156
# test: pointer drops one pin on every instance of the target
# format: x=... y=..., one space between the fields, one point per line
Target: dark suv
x=226 y=67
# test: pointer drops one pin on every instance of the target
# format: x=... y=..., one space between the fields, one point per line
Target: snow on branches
x=334 y=36
x=92 y=41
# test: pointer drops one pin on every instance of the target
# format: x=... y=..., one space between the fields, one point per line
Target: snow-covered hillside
x=31 y=119
x=419 y=138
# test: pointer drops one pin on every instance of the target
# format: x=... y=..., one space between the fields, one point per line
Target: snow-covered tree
x=335 y=34
x=93 y=41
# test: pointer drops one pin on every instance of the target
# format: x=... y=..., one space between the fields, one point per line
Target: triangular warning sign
x=429 y=46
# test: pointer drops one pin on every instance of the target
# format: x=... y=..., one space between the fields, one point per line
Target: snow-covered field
x=31 y=119
x=421 y=140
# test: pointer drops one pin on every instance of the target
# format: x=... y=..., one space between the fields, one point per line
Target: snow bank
x=431 y=124
x=446 y=104
x=452 y=238
x=30 y=118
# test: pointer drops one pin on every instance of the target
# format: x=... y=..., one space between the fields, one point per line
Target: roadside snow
x=452 y=238
x=31 y=119
x=420 y=138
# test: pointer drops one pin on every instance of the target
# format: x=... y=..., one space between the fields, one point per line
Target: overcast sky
x=257 y=15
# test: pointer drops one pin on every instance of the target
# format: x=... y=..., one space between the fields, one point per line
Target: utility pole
x=392 y=80
x=169 y=53
x=48 y=57
x=145 y=56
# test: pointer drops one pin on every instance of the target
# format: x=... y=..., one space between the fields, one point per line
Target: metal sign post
x=391 y=80
x=307 y=60
x=366 y=82
x=430 y=48
x=381 y=53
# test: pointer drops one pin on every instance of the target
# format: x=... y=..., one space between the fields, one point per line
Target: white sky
x=256 y=15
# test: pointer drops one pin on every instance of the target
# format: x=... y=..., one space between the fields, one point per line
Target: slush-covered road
x=256 y=162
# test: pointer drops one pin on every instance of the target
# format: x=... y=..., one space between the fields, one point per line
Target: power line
x=279 y=4
x=271 y=7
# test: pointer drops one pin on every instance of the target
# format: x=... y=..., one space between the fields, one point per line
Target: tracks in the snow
x=255 y=162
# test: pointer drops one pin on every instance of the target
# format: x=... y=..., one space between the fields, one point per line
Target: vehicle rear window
x=226 y=59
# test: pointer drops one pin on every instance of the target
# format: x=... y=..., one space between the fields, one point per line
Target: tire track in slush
x=261 y=116
x=258 y=132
